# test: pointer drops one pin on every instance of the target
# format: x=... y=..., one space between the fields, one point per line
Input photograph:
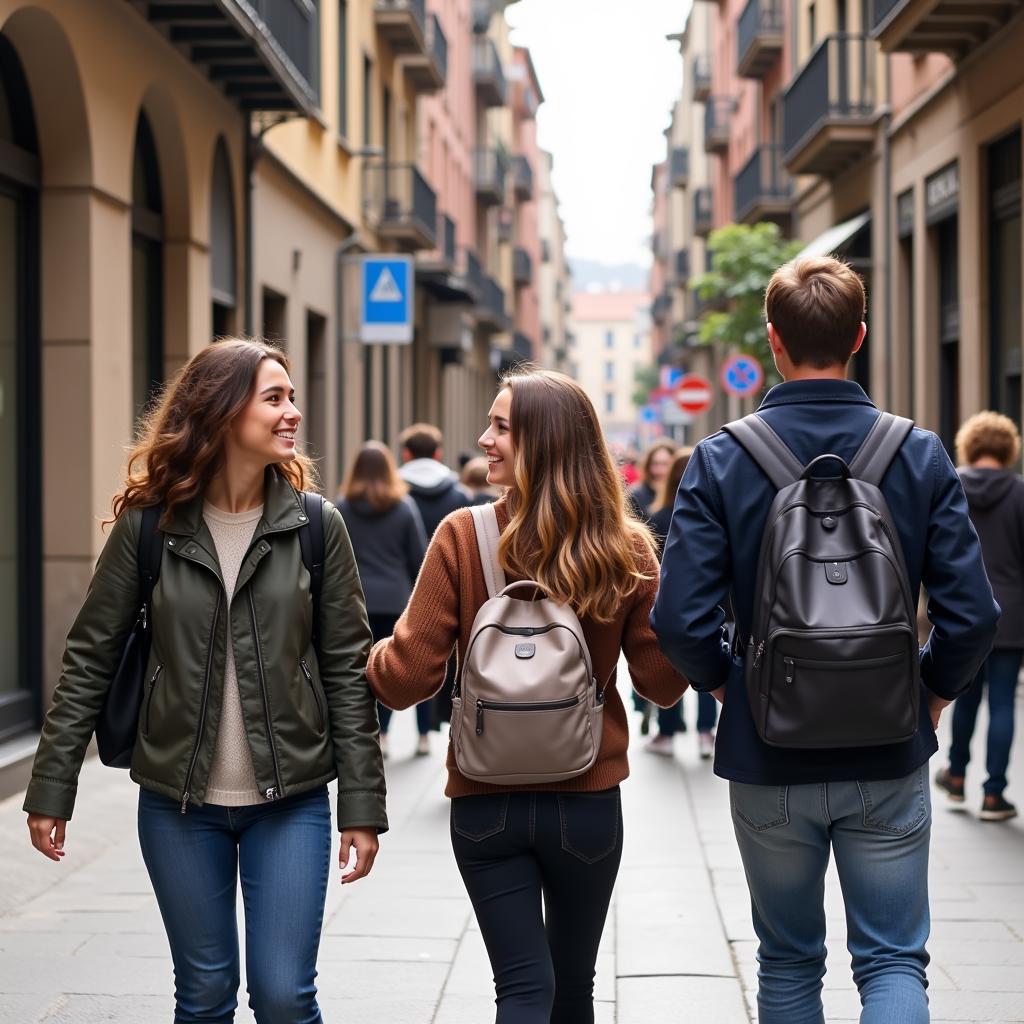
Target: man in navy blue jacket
x=869 y=806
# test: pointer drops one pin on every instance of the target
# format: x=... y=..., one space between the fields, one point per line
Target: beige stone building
x=555 y=282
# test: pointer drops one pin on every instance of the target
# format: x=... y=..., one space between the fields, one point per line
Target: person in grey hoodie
x=389 y=542
x=988 y=445
x=432 y=485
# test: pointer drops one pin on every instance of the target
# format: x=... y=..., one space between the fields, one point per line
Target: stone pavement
x=81 y=942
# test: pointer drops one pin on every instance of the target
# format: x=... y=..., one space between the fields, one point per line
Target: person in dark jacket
x=389 y=543
x=793 y=809
x=644 y=494
x=432 y=485
x=987 y=446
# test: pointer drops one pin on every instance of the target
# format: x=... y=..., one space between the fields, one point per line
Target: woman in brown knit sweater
x=563 y=524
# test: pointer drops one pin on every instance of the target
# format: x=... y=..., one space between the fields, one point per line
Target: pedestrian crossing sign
x=387 y=294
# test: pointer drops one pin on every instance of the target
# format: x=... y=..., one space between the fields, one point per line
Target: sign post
x=386 y=289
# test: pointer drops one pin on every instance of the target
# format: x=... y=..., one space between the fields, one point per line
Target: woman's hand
x=364 y=842
x=47 y=835
x=936 y=705
x=719 y=694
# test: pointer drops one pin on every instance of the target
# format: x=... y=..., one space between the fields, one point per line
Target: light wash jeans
x=879 y=832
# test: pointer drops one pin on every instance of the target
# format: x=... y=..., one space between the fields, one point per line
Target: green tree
x=743 y=259
x=645 y=380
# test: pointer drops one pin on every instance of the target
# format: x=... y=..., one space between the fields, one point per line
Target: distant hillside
x=587 y=274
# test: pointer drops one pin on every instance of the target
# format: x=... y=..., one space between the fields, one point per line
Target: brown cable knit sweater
x=410 y=665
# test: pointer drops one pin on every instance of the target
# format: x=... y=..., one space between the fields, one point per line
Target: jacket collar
x=791 y=392
x=282 y=510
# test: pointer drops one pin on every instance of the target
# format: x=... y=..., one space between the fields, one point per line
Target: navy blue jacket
x=713 y=547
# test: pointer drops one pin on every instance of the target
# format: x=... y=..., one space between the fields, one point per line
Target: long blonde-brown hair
x=180 y=444
x=569 y=528
x=374 y=478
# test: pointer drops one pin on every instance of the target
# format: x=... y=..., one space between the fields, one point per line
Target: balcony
x=400 y=205
x=717 y=119
x=262 y=54
x=440 y=260
x=682 y=268
x=701 y=78
x=490 y=167
x=759 y=38
x=522 y=177
x=428 y=71
x=661 y=307
x=763 y=190
x=517 y=350
x=401 y=23
x=679 y=167
x=490 y=310
x=481 y=15
x=828 y=114
x=522 y=267
x=923 y=26
x=471 y=273
x=703 y=211
x=488 y=76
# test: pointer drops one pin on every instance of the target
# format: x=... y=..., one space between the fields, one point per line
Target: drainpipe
x=352 y=242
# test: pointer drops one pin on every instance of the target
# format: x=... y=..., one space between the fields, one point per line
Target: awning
x=835 y=238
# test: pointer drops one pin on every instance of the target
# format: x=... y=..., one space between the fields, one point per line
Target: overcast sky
x=609 y=79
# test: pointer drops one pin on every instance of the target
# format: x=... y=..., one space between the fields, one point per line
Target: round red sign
x=694 y=394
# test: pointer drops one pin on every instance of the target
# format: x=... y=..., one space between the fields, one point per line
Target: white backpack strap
x=485 y=520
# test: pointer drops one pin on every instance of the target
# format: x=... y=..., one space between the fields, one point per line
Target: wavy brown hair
x=374 y=478
x=570 y=529
x=180 y=442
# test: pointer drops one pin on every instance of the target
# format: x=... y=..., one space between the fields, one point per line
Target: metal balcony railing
x=953 y=27
x=834 y=89
x=448 y=239
x=473 y=273
x=522 y=176
x=522 y=266
x=762 y=188
x=438 y=44
x=701 y=77
x=492 y=301
x=490 y=168
x=661 y=307
x=759 y=37
x=428 y=71
x=481 y=15
x=717 y=120
x=488 y=74
x=545 y=251
x=400 y=204
x=679 y=167
x=881 y=9
x=682 y=267
x=403 y=23
x=703 y=210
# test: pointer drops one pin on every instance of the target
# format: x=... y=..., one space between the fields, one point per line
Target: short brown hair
x=816 y=305
x=991 y=434
x=422 y=440
x=374 y=478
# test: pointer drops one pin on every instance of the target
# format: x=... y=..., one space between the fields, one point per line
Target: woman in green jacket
x=243 y=721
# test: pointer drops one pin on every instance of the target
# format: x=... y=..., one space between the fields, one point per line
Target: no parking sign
x=742 y=376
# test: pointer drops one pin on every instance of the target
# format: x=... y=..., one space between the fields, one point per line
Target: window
x=275 y=318
x=222 y=243
x=949 y=331
x=609 y=370
x=812 y=28
x=609 y=339
x=314 y=401
x=609 y=403
x=637 y=341
x=367 y=101
x=343 y=67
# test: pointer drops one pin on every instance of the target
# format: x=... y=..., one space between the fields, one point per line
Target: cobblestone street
x=82 y=942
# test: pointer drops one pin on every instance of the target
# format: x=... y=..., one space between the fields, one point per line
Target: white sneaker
x=423 y=746
x=706 y=744
x=660 y=745
x=382 y=738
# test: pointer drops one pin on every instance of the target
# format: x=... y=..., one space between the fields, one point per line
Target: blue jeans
x=670 y=720
x=382 y=626
x=1000 y=672
x=879 y=833
x=282 y=852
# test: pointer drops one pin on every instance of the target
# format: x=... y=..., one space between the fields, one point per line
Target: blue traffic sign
x=387 y=299
x=742 y=376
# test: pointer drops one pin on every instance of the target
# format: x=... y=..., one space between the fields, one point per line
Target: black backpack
x=833 y=658
x=118 y=722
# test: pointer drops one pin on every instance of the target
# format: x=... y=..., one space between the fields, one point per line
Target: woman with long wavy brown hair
x=563 y=524
x=252 y=702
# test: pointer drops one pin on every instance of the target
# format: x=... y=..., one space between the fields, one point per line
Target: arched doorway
x=147 y=269
x=20 y=456
x=223 y=275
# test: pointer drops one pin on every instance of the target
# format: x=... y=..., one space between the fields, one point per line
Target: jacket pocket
x=480 y=817
x=761 y=808
x=149 y=698
x=591 y=823
x=895 y=806
x=320 y=717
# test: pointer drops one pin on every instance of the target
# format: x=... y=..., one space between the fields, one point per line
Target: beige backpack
x=528 y=709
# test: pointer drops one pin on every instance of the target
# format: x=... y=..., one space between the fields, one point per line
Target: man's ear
x=861 y=335
x=406 y=455
x=774 y=341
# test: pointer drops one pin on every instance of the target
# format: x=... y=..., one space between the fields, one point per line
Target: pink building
x=661 y=302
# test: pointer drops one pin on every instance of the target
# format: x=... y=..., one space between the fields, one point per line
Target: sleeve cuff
x=362 y=809
x=53 y=798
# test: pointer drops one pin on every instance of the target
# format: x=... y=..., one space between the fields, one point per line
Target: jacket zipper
x=316 y=696
x=273 y=793
x=202 y=708
x=149 y=698
x=508 y=705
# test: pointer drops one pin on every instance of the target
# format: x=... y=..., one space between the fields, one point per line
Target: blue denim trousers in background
x=879 y=833
x=999 y=676
x=670 y=720
x=282 y=852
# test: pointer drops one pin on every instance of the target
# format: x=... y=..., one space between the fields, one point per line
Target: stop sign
x=694 y=394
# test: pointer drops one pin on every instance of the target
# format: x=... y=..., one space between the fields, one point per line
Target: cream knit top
x=232 y=778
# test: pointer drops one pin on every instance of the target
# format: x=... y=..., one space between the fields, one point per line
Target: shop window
x=949 y=331
x=275 y=318
x=314 y=407
x=223 y=275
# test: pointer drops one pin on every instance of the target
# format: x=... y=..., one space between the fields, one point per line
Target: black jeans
x=515 y=848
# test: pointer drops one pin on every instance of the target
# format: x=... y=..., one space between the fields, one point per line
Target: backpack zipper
x=509 y=705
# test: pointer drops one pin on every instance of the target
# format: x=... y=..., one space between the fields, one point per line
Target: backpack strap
x=884 y=440
x=767 y=449
x=311 y=543
x=485 y=521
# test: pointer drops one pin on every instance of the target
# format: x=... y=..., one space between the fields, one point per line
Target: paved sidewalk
x=81 y=942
